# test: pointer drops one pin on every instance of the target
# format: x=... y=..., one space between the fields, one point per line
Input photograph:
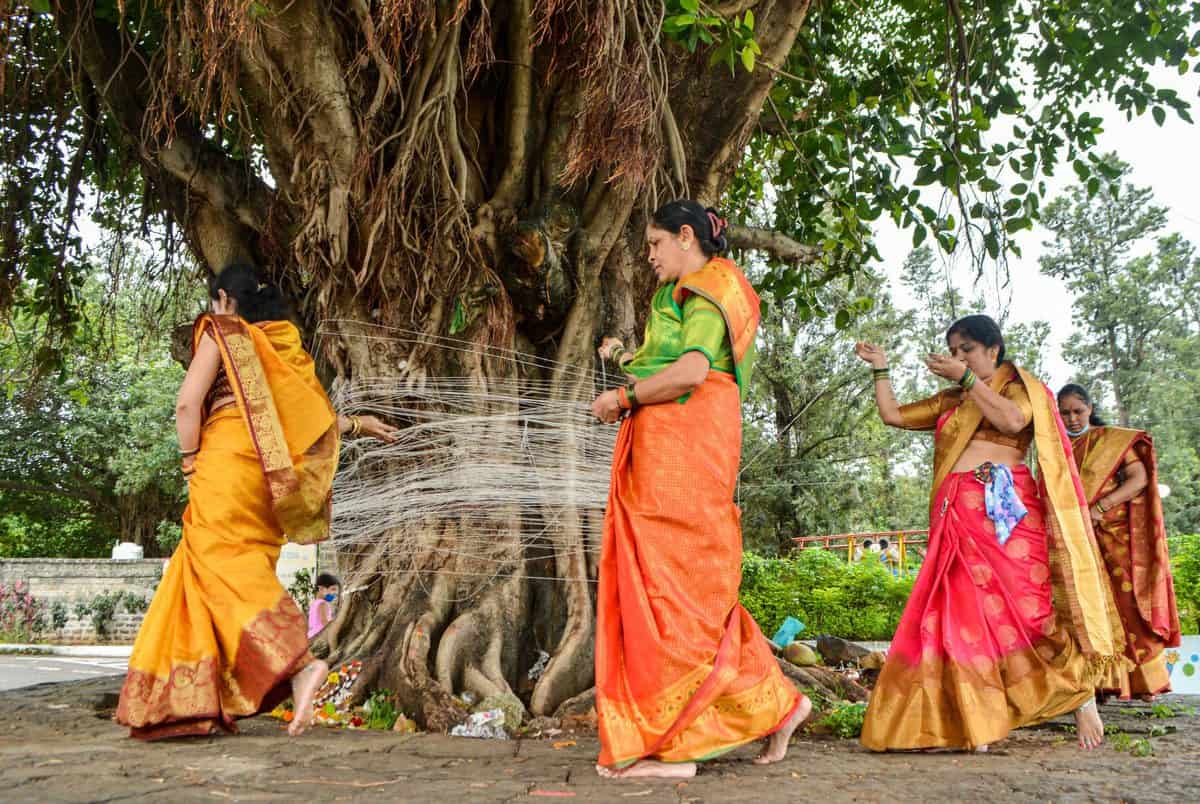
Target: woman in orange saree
x=1010 y=621
x=222 y=639
x=1119 y=473
x=683 y=673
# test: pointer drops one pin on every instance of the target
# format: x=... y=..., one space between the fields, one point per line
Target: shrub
x=1185 y=567
x=827 y=594
x=846 y=721
x=22 y=616
x=168 y=534
x=302 y=589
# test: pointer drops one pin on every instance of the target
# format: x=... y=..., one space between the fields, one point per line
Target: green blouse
x=672 y=331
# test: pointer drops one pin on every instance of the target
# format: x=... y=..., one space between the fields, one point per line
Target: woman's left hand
x=946 y=367
x=606 y=407
x=1096 y=514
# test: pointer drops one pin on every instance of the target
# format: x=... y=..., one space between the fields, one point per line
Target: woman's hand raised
x=872 y=354
x=946 y=367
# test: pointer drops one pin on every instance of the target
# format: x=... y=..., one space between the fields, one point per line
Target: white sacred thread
x=489 y=478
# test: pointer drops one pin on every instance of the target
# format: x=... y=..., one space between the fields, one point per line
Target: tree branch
x=236 y=201
x=777 y=244
x=733 y=7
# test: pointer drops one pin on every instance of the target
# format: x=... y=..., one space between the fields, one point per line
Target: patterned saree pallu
x=1133 y=540
x=222 y=638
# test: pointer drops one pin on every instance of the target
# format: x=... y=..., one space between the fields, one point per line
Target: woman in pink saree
x=1010 y=621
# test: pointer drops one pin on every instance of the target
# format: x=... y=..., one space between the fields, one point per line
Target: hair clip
x=718 y=224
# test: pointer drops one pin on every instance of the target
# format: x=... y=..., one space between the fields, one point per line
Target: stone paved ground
x=57 y=743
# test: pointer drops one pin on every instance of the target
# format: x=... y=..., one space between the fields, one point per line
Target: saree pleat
x=222 y=637
x=682 y=670
x=979 y=650
x=1133 y=540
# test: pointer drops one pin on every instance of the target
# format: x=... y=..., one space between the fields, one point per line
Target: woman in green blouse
x=682 y=672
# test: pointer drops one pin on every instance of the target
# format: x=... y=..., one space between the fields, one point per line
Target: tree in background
x=816 y=457
x=485 y=170
x=88 y=454
x=1135 y=317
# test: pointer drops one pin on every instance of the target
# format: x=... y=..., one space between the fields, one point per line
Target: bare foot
x=304 y=686
x=1148 y=698
x=981 y=749
x=650 y=769
x=1089 y=726
x=777 y=743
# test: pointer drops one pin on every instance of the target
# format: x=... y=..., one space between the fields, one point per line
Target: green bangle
x=967 y=381
x=881 y=373
x=631 y=395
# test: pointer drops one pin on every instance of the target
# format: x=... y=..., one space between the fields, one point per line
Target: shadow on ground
x=58 y=743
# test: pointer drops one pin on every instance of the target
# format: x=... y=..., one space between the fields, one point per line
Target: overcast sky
x=1162 y=158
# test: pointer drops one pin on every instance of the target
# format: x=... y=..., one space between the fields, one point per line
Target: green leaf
x=919 y=236
x=1160 y=115
x=842 y=319
x=748 y=21
x=690 y=5
x=748 y=59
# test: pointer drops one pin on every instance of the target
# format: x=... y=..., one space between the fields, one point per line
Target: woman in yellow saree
x=1119 y=472
x=259 y=439
x=683 y=673
x=1010 y=621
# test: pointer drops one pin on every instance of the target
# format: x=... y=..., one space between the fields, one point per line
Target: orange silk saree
x=682 y=671
x=995 y=635
x=1133 y=541
x=222 y=637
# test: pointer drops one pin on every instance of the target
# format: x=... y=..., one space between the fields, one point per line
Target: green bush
x=1185 y=567
x=823 y=591
x=846 y=721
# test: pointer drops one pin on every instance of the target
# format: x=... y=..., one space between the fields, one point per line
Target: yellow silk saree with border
x=222 y=637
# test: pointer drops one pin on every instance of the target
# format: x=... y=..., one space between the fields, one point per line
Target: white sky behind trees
x=1162 y=158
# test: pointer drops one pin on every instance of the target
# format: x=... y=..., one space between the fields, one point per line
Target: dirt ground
x=57 y=743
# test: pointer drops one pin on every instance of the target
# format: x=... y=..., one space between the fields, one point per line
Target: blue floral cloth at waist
x=1004 y=506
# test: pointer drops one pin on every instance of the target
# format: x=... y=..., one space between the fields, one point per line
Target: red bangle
x=623 y=399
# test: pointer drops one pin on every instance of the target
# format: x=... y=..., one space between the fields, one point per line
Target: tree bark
x=482 y=167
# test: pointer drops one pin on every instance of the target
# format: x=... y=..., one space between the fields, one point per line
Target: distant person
x=320 y=610
x=1119 y=472
x=683 y=673
x=988 y=642
x=258 y=439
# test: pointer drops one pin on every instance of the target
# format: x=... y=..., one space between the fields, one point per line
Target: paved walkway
x=57 y=743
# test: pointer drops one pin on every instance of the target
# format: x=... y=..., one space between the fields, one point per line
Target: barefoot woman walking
x=259 y=441
x=682 y=672
x=1010 y=621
